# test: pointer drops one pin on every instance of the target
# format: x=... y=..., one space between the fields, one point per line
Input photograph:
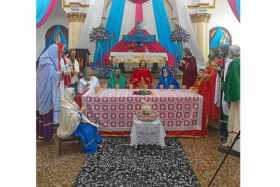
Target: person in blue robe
x=167 y=80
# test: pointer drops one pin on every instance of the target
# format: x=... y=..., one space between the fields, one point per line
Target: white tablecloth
x=151 y=133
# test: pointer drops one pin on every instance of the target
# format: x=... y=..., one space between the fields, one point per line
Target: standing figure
x=212 y=71
x=75 y=69
x=48 y=90
x=201 y=86
x=166 y=80
x=117 y=79
x=189 y=69
x=141 y=75
x=232 y=94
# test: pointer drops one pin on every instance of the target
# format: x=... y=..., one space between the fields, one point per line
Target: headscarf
x=167 y=81
x=234 y=51
x=70 y=116
x=113 y=79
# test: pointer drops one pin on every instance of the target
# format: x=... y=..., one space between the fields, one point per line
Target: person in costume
x=141 y=76
x=189 y=68
x=117 y=79
x=74 y=68
x=89 y=81
x=166 y=80
x=48 y=90
x=66 y=72
x=73 y=122
x=201 y=86
x=232 y=94
x=212 y=71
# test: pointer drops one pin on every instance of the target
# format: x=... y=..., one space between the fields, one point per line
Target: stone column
x=76 y=21
x=200 y=24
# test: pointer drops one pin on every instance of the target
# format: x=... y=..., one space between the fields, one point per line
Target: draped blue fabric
x=89 y=137
x=238 y=8
x=216 y=40
x=41 y=9
x=164 y=30
x=113 y=26
x=167 y=81
x=51 y=39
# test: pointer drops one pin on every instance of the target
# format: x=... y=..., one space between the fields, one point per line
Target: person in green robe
x=117 y=79
x=232 y=94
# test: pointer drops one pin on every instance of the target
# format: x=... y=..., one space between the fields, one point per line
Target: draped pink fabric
x=151 y=47
x=139 y=13
x=234 y=8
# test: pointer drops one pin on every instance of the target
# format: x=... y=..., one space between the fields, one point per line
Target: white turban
x=234 y=50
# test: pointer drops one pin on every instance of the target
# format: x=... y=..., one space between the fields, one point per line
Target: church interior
x=152 y=98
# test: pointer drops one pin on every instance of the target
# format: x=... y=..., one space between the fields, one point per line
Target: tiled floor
x=60 y=171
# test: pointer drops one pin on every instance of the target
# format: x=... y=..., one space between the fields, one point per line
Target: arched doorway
x=53 y=31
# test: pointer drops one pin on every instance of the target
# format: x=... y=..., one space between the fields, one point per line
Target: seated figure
x=88 y=81
x=117 y=79
x=166 y=80
x=141 y=75
x=74 y=123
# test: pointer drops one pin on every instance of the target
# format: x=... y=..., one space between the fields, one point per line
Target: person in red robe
x=140 y=76
x=201 y=86
x=189 y=69
x=212 y=71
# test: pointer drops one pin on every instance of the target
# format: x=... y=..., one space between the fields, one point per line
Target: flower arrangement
x=99 y=33
x=180 y=35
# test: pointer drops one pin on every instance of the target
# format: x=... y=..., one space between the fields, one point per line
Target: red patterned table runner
x=179 y=110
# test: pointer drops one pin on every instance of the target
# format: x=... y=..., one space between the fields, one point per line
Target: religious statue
x=141 y=77
x=189 y=69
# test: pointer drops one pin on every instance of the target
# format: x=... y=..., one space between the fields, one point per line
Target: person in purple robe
x=48 y=77
x=189 y=69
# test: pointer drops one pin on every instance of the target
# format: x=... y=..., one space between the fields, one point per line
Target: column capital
x=76 y=17
x=200 y=17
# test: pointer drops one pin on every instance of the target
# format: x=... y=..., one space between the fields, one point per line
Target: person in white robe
x=88 y=81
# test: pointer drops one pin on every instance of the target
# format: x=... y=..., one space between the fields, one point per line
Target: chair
x=69 y=139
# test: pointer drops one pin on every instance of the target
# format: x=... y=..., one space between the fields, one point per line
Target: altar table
x=180 y=110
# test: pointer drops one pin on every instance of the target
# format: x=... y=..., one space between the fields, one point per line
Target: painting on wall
x=219 y=37
x=55 y=30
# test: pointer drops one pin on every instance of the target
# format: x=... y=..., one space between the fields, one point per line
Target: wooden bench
x=69 y=139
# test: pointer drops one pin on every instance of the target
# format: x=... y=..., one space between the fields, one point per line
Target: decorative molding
x=200 y=17
x=76 y=17
x=64 y=5
x=203 y=5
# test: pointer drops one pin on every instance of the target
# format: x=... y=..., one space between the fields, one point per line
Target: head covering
x=69 y=94
x=234 y=50
x=167 y=81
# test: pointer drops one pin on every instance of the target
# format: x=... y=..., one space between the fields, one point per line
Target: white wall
x=58 y=17
x=223 y=16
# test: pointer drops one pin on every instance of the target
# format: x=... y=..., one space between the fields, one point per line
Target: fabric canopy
x=235 y=7
x=44 y=9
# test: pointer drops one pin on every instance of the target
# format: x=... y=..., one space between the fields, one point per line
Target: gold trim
x=76 y=17
x=203 y=5
x=200 y=17
x=64 y=5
